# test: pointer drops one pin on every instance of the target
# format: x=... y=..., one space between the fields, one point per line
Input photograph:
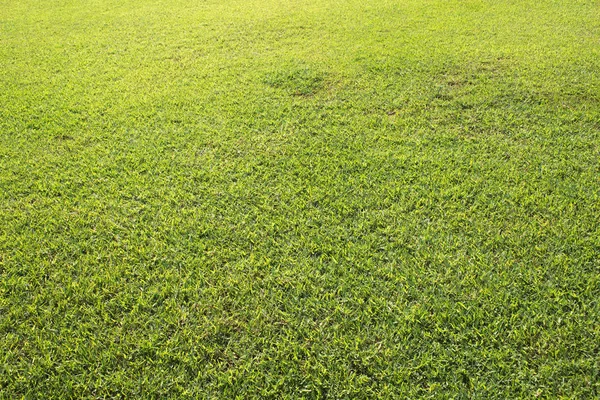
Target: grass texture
x=300 y=199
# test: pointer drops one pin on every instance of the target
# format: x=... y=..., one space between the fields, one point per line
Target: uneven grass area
x=300 y=199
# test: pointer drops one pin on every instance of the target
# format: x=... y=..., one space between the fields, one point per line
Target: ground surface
x=299 y=199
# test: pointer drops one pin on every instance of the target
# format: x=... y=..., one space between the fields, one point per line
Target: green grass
x=300 y=199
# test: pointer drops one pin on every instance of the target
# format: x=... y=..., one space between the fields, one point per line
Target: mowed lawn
x=310 y=199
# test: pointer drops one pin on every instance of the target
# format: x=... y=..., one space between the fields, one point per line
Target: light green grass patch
x=299 y=199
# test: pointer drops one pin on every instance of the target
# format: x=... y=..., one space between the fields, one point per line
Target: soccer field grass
x=300 y=199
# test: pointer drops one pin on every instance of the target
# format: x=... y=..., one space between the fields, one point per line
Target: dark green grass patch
x=303 y=199
x=297 y=81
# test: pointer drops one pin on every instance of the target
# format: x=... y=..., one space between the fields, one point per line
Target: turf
x=300 y=199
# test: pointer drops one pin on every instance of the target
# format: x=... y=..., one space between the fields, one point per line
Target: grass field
x=300 y=199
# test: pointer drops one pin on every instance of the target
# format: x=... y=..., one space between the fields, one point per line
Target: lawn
x=300 y=199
